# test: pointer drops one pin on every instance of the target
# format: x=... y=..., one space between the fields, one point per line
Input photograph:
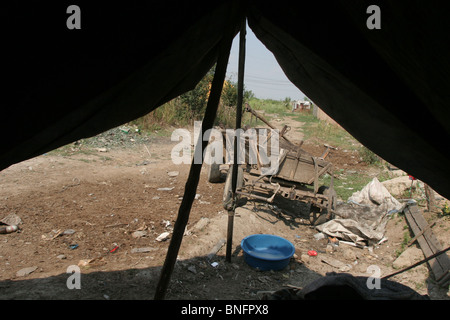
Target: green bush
x=368 y=156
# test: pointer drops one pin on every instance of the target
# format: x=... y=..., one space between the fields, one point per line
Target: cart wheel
x=227 y=192
x=317 y=215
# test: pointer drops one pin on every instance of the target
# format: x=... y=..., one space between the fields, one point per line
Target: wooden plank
x=321 y=172
x=429 y=244
x=420 y=233
x=418 y=224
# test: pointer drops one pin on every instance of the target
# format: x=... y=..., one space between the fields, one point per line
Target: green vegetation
x=404 y=244
x=191 y=106
x=269 y=106
x=346 y=184
x=368 y=156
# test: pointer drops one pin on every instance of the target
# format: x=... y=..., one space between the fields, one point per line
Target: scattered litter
x=11 y=220
x=73 y=246
x=166 y=189
x=312 y=253
x=84 y=262
x=214 y=264
x=163 y=236
x=349 y=243
x=319 y=236
x=61 y=257
x=166 y=223
x=8 y=229
x=56 y=233
x=155 y=198
x=25 y=271
x=114 y=249
x=197 y=196
x=87 y=262
x=102 y=150
x=187 y=232
x=143 y=250
x=173 y=174
x=139 y=234
x=124 y=129
x=52 y=235
x=192 y=269
x=363 y=218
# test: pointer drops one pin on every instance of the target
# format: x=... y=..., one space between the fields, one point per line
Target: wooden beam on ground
x=440 y=266
x=420 y=233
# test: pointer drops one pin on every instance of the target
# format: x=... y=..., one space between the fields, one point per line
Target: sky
x=263 y=76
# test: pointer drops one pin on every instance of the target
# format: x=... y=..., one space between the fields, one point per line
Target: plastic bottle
x=8 y=229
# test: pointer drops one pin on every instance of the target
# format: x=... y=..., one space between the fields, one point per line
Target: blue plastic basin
x=267 y=252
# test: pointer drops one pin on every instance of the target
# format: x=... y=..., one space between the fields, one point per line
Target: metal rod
x=417 y=264
x=240 y=96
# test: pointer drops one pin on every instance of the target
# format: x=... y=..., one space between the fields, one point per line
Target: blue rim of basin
x=267 y=252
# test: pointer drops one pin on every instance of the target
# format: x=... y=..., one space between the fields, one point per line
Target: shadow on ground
x=193 y=279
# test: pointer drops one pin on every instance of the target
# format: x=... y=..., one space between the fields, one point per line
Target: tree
x=229 y=94
x=195 y=101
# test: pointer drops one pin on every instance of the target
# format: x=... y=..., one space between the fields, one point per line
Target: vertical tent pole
x=194 y=173
x=240 y=97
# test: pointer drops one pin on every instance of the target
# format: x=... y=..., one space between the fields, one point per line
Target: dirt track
x=106 y=196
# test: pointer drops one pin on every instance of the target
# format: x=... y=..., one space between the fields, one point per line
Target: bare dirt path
x=103 y=211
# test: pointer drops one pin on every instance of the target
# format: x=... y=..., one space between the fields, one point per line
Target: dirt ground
x=100 y=209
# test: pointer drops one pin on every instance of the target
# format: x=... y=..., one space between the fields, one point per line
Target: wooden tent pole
x=240 y=98
x=194 y=173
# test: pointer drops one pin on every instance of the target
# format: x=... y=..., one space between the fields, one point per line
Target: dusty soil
x=102 y=198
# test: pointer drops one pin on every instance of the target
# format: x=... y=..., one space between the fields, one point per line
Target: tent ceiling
x=389 y=88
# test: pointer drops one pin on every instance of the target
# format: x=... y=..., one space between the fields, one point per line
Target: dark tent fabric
x=388 y=87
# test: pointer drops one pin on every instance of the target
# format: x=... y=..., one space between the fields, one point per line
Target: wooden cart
x=297 y=177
